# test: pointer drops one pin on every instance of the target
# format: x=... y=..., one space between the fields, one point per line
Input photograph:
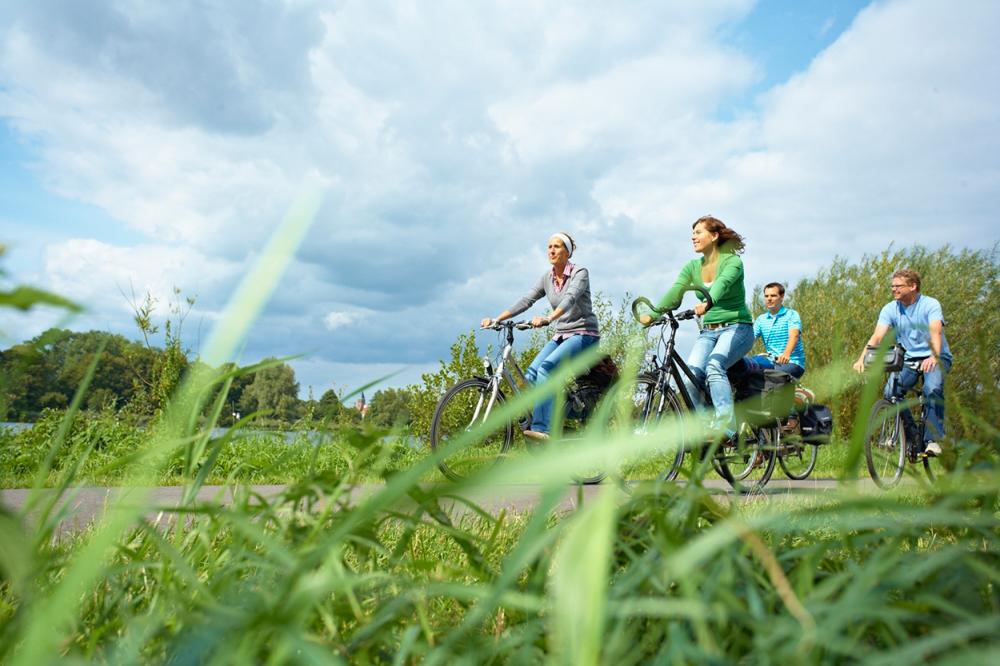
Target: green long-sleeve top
x=728 y=293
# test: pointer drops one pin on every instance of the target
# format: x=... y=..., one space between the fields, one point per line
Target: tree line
x=136 y=379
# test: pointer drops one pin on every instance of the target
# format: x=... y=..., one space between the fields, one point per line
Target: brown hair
x=912 y=277
x=728 y=238
x=775 y=285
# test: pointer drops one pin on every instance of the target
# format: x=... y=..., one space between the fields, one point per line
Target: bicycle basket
x=892 y=361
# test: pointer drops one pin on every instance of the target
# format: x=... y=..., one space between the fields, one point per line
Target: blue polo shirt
x=912 y=325
x=773 y=330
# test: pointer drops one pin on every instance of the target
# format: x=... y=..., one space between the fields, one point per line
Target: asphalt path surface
x=80 y=507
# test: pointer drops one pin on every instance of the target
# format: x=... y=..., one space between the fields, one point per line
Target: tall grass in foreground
x=332 y=572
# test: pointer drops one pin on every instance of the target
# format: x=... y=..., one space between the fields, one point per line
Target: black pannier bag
x=769 y=391
x=816 y=424
x=603 y=374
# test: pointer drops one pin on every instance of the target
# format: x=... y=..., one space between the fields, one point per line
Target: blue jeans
x=713 y=352
x=762 y=362
x=553 y=353
x=933 y=396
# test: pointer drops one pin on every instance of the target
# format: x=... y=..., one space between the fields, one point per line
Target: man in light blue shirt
x=918 y=324
x=780 y=329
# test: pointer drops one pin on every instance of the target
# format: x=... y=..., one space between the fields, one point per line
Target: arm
x=934 y=327
x=786 y=355
x=729 y=273
x=526 y=302
x=673 y=297
x=873 y=341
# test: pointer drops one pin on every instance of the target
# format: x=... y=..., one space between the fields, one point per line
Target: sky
x=146 y=146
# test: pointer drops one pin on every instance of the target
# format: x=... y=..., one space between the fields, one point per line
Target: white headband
x=567 y=243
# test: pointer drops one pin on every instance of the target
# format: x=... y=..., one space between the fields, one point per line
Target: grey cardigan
x=574 y=299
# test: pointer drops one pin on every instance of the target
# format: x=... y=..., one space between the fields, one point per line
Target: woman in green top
x=727 y=329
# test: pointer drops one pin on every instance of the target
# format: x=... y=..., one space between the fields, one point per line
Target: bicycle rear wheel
x=797 y=458
x=747 y=460
x=462 y=409
x=885 y=444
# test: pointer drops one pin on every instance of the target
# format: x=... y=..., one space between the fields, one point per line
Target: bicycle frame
x=672 y=365
x=912 y=452
x=505 y=370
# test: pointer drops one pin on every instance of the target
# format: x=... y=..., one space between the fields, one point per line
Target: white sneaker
x=932 y=449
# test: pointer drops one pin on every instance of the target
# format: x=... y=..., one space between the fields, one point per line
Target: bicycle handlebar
x=523 y=325
x=669 y=314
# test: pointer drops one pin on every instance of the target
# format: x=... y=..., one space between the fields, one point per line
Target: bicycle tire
x=651 y=405
x=804 y=452
x=456 y=414
x=747 y=461
x=885 y=444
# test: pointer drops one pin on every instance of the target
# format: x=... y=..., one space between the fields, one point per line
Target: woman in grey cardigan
x=567 y=286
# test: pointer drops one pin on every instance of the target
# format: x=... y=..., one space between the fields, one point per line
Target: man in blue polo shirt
x=780 y=329
x=918 y=323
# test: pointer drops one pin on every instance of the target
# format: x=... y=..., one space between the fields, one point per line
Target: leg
x=696 y=361
x=733 y=343
x=794 y=370
x=564 y=349
x=934 y=397
x=905 y=380
x=759 y=362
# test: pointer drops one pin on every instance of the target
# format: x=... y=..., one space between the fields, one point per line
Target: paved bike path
x=82 y=506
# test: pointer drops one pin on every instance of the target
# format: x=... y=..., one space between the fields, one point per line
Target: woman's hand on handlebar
x=645 y=319
x=486 y=323
x=540 y=322
x=700 y=308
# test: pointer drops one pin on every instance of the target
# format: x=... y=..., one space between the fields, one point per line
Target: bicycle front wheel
x=464 y=408
x=652 y=406
x=797 y=458
x=885 y=444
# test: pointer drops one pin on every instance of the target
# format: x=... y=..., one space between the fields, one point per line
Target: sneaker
x=534 y=434
x=932 y=449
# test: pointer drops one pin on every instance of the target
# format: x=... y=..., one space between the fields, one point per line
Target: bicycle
x=748 y=455
x=469 y=403
x=888 y=446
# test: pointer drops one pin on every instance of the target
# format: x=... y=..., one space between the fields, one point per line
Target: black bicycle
x=746 y=460
x=888 y=443
x=469 y=403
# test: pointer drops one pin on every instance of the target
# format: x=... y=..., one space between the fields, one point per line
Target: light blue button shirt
x=912 y=325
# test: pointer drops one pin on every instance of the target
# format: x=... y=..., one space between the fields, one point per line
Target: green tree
x=274 y=392
x=329 y=406
x=390 y=408
x=840 y=306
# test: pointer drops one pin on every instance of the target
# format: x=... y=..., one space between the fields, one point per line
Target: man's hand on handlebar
x=540 y=322
x=486 y=323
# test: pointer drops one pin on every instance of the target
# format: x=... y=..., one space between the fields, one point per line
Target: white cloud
x=455 y=137
x=335 y=320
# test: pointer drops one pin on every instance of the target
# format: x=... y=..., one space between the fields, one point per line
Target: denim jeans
x=713 y=352
x=762 y=362
x=553 y=353
x=933 y=396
